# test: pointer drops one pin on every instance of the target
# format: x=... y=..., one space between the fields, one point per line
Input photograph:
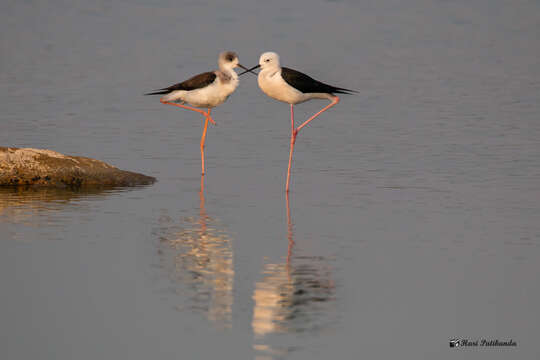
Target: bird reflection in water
x=292 y=297
x=199 y=259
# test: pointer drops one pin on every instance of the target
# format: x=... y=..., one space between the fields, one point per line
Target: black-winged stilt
x=206 y=90
x=293 y=87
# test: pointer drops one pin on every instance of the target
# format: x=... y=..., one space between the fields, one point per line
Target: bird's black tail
x=159 y=92
x=337 y=90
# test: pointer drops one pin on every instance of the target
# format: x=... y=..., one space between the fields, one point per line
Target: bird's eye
x=267 y=60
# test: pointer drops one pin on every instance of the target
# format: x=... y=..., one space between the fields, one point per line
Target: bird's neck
x=269 y=72
x=227 y=75
x=228 y=72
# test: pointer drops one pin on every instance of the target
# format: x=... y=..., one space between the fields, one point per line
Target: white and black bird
x=206 y=90
x=293 y=87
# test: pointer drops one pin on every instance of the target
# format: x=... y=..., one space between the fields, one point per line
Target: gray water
x=414 y=207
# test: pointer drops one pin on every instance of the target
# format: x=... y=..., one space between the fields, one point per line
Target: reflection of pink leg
x=190 y=108
x=289 y=233
x=203 y=140
x=202 y=213
x=294 y=133
x=201 y=193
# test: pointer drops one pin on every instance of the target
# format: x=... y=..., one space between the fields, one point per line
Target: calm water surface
x=413 y=215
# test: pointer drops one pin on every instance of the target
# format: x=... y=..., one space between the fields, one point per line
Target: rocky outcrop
x=27 y=166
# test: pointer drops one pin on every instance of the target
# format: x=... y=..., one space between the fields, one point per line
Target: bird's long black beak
x=249 y=70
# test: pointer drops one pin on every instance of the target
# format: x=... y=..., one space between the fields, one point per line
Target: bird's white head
x=228 y=60
x=269 y=60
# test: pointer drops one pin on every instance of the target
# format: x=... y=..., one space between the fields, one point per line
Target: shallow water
x=413 y=214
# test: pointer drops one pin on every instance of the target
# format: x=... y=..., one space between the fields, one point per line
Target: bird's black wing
x=307 y=84
x=196 y=82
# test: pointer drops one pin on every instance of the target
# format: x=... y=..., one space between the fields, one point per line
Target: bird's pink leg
x=207 y=118
x=207 y=115
x=293 y=140
x=203 y=139
x=294 y=133
x=334 y=102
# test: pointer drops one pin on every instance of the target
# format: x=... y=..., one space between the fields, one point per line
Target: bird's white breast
x=273 y=85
